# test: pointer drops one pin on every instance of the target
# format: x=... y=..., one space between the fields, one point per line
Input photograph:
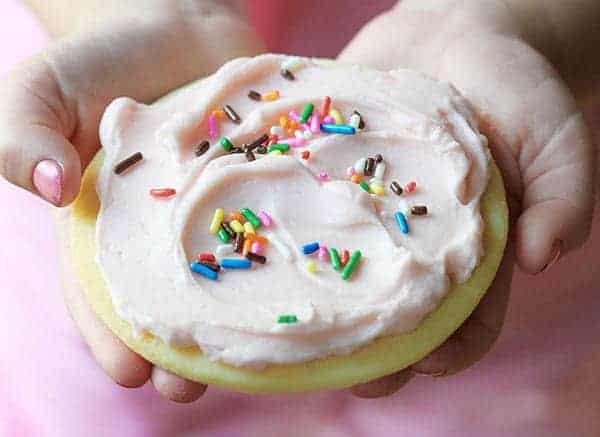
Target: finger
x=35 y=153
x=479 y=332
x=384 y=386
x=175 y=388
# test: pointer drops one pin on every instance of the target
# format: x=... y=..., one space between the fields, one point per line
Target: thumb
x=35 y=152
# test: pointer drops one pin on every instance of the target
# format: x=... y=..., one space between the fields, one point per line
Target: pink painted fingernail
x=556 y=250
x=48 y=180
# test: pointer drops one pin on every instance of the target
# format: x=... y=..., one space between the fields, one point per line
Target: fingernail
x=434 y=374
x=48 y=180
x=555 y=255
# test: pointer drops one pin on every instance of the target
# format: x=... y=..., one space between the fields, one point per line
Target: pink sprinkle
x=350 y=171
x=315 y=124
x=294 y=142
x=265 y=219
x=410 y=187
x=329 y=120
x=323 y=176
x=305 y=126
x=213 y=130
x=257 y=248
x=294 y=115
x=323 y=254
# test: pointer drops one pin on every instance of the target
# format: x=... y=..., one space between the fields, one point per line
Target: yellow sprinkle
x=275 y=152
x=215 y=225
x=337 y=116
x=248 y=229
x=311 y=267
x=236 y=226
x=377 y=189
x=270 y=96
x=219 y=113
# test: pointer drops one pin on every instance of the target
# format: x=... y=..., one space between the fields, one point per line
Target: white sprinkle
x=307 y=134
x=380 y=170
x=359 y=166
x=281 y=247
x=354 y=121
x=277 y=130
x=223 y=250
x=291 y=63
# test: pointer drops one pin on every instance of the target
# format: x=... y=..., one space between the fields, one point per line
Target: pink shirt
x=539 y=379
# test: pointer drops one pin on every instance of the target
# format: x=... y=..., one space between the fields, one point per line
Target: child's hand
x=51 y=105
x=537 y=136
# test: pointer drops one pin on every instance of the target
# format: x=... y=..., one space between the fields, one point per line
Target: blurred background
x=540 y=379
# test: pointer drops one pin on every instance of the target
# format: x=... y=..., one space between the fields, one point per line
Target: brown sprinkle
x=287 y=74
x=236 y=150
x=254 y=95
x=250 y=156
x=128 y=162
x=369 y=167
x=256 y=258
x=228 y=229
x=396 y=188
x=418 y=210
x=261 y=150
x=211 y=265
x=258 y=142
x=239 y=242
x=378 y=158
x=231 y=114
x=202 y=148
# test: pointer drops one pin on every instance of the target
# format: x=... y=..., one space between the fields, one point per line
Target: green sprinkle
x=335 y=259
x=351 y=266
x=365 y=186
x=225 y=143
x=282 y=147
x=306 y=112
x=251 y=217
x=223 y=235
x=287 y=318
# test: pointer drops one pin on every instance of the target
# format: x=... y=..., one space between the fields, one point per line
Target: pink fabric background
x=538 y=381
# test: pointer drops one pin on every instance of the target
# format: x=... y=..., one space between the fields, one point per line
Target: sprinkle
x=219 y=114
x=223 y=249
x=255 y=257
x=250 y=156
x=261 y=150
x=162 y=192
x=259 y=239
x=236 y=263
x=364 y=186
x=343 y=129
x=212 y=265
x=294 y=116
x=334 y=256
x=350 y=171
x=248 y=229
x=291 y=63
x=202 y=148
x=247 y=246
x=223 y=235
x=265 y=219
x=345 y=257
x=309 y=248
x=254 y=95
x=328 y=119
x=325 y=106
x=257 y=142
x=337 y=116
x=323 y=176
x=128 y=162
x=355 y=178
x=235 y=215
x=418 y=210
x=236 y=226
x=236 y=150
x=277 y=131
x=281 y=247
x=402 y=223
x=315 y=123
x=213 y=128
x=287 y=74
x=359 y=165
x=273 y=139
x=354 y=121
x=287 y=318
x=256 y=248
x=378 y=158
x=410 y=187
x=205 y=256
x=361 y=124
x=239 y=241
x=204 y=271
x=284 y=122
x=377 y=189
x=306 y=112
x=215 y=225
x=305 y=155
x=251 y=217
x=270 y=96
x=379 y=170
x=396 y=188
x=226 y=144
x=323 y=253
x=311 y=267
x=369 y=167
x=231 y=114
x=282 y=147
x=276 y=152
x=225 y=226
x=351 y=266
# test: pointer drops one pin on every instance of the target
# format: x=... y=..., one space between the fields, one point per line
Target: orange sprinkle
x=355 y=178
x=236 y=215
x=246 y=248
x=284 y=122
x=219 y=113
x=257 y=238
x=270 y=96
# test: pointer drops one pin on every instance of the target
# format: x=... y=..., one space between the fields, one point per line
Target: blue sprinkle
x=203 y=270
x=344 y=129
x=236 y=263
x=309 y=248
x=402 y=223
